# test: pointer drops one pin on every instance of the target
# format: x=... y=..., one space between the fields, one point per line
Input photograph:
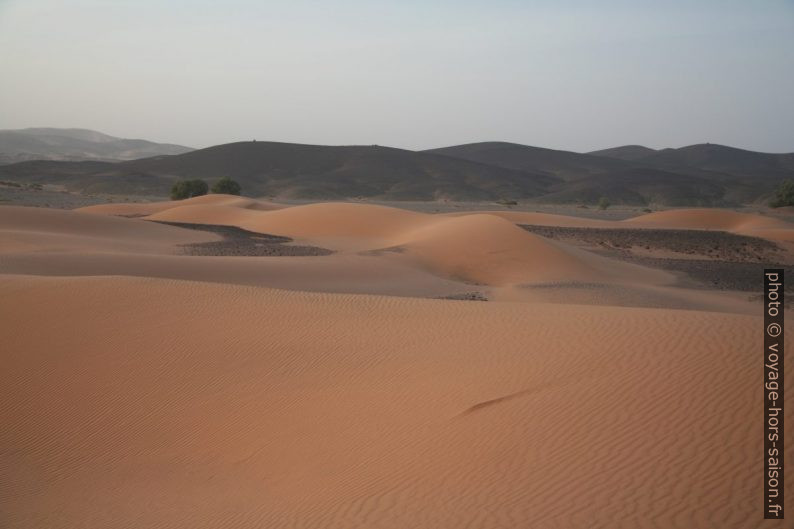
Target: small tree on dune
x=226 y=186
x=183 y=189
x=603 y=203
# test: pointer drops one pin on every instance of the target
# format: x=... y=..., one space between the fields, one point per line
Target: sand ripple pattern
x=134 y=402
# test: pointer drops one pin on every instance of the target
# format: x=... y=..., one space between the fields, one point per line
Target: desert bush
x=603 y=203
x=784 y=195
x=226 y=186
x=183 y=189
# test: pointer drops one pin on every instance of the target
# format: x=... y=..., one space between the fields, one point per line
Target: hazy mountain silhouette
x=76 y=144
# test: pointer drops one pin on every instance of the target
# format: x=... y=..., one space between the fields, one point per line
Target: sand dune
x=35 y=229
x=56 y=242
x=480 y=249
x=486 y=249
x=475 y=248
x=716 y=219
x=705 y=219
x=337 y=225
x=380 y=250
x=692 y=219
x=367 y=220
x=352 y=221
x=229 y=407
x=149 y=208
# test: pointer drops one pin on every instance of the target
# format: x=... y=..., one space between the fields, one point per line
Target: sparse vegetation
x=507 y=202
x=784 y=195
x=226 y=186
x=603 y=203
x=188 y=188
x=34 y=186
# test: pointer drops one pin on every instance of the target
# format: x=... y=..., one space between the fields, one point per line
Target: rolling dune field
x=146 y=387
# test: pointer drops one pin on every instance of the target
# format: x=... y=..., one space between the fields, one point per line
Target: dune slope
x=35 y=229
x=487 y=249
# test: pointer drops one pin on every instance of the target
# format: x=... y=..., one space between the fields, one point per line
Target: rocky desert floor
x=226 y=362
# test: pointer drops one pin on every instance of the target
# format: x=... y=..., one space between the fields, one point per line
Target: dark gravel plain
x=720 y=260
x=238 y=242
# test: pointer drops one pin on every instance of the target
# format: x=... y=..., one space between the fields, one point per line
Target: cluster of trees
x=183 y=189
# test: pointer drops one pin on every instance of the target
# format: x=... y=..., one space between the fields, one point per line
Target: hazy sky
x=414 y=74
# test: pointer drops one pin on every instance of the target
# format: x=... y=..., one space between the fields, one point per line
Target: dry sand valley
x=225 y=362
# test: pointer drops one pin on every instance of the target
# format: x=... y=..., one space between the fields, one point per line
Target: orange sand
x=176 y=404
x=144 y=388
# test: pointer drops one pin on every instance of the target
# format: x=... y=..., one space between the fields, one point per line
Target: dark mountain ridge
x=698 y=175
x=299 y=171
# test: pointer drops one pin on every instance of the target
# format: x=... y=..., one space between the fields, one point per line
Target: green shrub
x=784 y=195
x=603 y=203
x=183 y=189
x=226 y=186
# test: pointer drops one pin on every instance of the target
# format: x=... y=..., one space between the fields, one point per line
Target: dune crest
x=343 y=222
x=149 y=208
x=542 y=219
x=717 y=219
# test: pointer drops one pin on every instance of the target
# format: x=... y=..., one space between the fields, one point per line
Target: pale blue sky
x=415 y=74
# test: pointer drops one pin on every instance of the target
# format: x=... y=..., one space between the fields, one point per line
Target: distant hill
x=626 y=152
x=75 y=145
x=642 y=186
x=699 y=175
x=730 y=160
x=562 y=164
